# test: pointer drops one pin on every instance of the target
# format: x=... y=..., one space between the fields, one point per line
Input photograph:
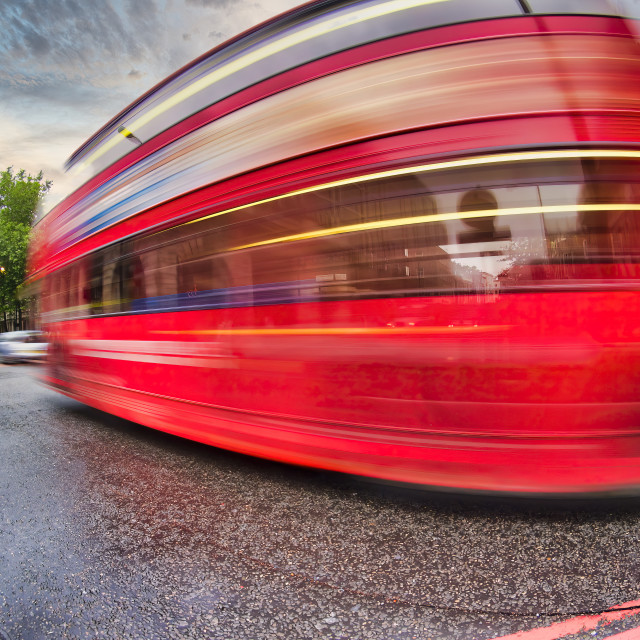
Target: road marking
x=582 y=623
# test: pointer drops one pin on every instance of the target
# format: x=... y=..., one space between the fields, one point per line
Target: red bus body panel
x=450 y=392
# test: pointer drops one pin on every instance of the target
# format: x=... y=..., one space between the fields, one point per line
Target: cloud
x=37 y=43
x=218 y=4
x=100 y=41
x=61 y=34
x=40 y=149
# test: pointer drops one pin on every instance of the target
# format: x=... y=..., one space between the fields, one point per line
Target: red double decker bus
x=395 y=238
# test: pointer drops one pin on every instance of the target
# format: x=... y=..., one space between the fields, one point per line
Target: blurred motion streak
x=396 y=238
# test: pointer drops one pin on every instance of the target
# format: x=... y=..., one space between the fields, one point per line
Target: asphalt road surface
x=112 y=530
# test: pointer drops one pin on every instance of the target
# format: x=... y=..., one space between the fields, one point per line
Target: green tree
x=20 y=194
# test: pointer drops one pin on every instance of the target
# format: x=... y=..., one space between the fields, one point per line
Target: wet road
x=111 y=530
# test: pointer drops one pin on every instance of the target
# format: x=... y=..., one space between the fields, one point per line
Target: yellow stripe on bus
x=439 y=217
x=524 y=156
x=336 y=331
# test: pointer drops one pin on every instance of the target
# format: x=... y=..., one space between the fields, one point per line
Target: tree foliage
x=20 y=194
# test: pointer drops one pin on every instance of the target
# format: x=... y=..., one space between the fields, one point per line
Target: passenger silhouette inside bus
x=481 y=228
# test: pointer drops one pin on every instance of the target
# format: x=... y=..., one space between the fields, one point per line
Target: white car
x=21 y=346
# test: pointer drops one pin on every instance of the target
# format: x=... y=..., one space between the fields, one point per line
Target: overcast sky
x=68 y=66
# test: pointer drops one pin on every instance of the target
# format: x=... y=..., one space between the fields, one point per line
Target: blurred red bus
x=395 y=238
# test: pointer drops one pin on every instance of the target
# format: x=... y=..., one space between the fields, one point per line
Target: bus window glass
x=483 y=229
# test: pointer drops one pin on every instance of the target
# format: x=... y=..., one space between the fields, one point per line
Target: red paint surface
x=526 y=393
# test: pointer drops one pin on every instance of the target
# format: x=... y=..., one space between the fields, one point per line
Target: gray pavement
x=112 y=530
